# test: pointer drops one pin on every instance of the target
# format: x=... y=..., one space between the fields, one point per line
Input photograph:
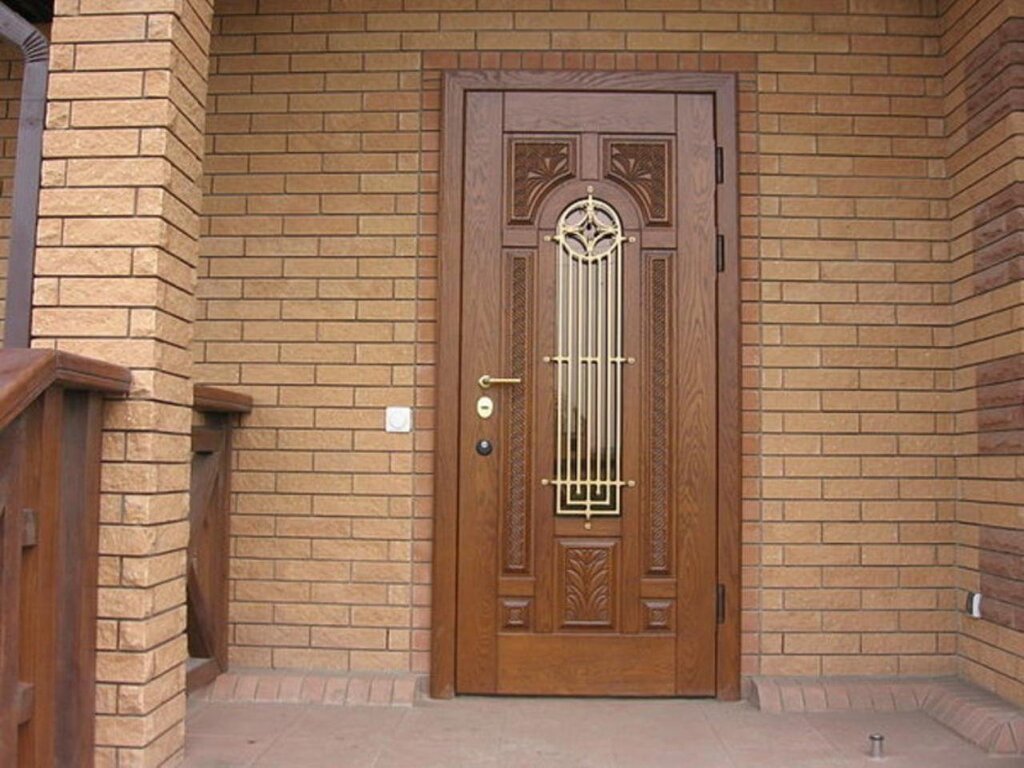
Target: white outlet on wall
x=974 y=604
x=398 y=418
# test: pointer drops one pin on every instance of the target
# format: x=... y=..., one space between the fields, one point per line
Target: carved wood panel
x=516 y=534
x=644 y=168
x=658 y=615
x=658 y=488
x=536 y=166
x=607 y=392
x=516 y=613
x=588 y=574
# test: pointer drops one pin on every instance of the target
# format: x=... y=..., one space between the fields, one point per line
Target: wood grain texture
x=694 y=397
x=49 y=542
x=536 y=166
x=658 y=479
x=462 y=81
x=517 y=522
x=41 y=578
x=207 y=399
x=458 y=87
x=516 y=613
x=659 y=615
x=590 y=579
x=479 y=476
x=446 y=472
x=567 y=666
x=207 y=582
x=644 y=168
x=81 y=449
x=580 y=111
x=729 y=404
x=12 y=441
x=26 y=373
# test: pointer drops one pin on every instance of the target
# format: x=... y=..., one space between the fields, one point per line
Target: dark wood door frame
x=455 y=87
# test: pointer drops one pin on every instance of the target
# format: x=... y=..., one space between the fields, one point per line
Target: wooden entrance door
x=587 y=481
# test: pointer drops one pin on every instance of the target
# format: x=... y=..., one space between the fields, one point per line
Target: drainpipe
x=27 y=171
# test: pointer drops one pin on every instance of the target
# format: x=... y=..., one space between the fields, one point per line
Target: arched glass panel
x=588 y=454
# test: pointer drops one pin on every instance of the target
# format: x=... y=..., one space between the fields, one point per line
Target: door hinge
x=719 y=165
x=720 y=604
x=720 y=252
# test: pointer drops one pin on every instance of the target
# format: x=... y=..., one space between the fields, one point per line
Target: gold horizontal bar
x=599 y=360
x=588 y=513
x=589 y=483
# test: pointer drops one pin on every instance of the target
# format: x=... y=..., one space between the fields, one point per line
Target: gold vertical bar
x=591 y=320
x=601 y=365
x=570 y=392
x=587 y=321
x=617 y=251
x=614 y=371
x=578 y=265
x=562 y=352
x=606 y=373
x=562 y=373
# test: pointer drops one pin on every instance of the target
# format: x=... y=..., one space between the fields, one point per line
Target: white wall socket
x=974 y=604
x=398 y=418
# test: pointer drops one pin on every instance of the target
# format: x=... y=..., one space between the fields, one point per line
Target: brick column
x=118 y=247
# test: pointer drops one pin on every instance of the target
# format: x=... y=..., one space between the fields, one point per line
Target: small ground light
x=877 y=742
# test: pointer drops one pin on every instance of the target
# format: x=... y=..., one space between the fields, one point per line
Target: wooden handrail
x=26 y=373
x=209 y=399
x=51 y=443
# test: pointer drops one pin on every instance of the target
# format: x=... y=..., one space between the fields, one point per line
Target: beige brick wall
x=849 y=463
x=115 y=274
x=985 y=125
x=872 y=319
x=317 y=295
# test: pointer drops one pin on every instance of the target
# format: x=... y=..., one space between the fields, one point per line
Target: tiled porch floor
x=565 y=733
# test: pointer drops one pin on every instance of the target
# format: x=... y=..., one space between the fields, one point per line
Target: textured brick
x=866 y=317
x=116 y=268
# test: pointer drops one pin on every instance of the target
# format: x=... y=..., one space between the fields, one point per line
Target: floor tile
x=317 y=721
x=248 y=720
x=321 y=753
x=906 y=733
x=494 y=732
x=223 y=751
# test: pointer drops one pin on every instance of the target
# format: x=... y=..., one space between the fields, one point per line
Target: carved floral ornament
x=537 y=167
x=643 y=167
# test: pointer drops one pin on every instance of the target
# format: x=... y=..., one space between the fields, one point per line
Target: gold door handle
x=486 y=382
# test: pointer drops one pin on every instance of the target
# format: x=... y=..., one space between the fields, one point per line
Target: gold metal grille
x=588 y=456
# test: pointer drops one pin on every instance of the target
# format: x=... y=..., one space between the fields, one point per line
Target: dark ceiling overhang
x=33 y=10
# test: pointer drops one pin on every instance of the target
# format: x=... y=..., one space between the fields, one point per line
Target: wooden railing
x=209 y=534
x=51 y=409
